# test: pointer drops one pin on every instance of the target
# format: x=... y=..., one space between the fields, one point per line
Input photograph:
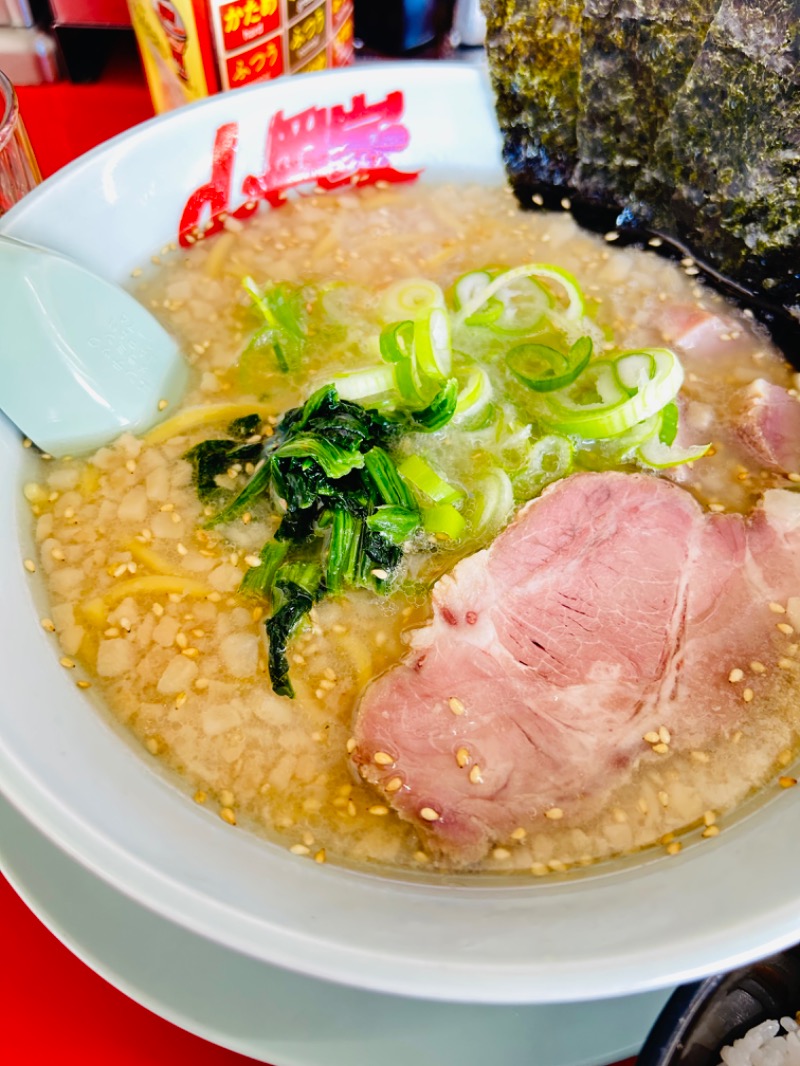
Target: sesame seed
x=379 y=810
x=200 y=796
x=737 y=736
x=519 y=834
x=428 y=814
x=611 y=236
x=393 y=784
x=700 y=756
x=351 y=808
x=787 y=664
x=163 y=405
x=793 y=477
x=475 y=775
x=787 y=782
x=777 y=608
x=48 y=625
x=674 y=847
x=664 y=734
x=501 y=853
x=538 y=199
x=83 y=684
x=320 y=856
x=711 y=831
x=557 y=866
x=661 y=749
x=667 y=838
x=455 y=705
x=539 y=869
x=182 y=640
x=380 y=574
x=30 y=566
x=68 y=664
x=566 y=203
x=651 y=737
x=735 y=675
x=785 y=628
x=663 y=799
x=157 y=609
x=655 y=242
x=619 y=816
x=299 y=849
x=351 y=745
x=462 y=756
x=383 y=758
x=784 y=757
x=554 y=813
x=152 y=745
x=710 y=817
x=748 y=695
x=420 y=856
x=757 y=667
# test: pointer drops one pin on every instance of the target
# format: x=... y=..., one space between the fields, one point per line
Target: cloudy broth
x=144 y=600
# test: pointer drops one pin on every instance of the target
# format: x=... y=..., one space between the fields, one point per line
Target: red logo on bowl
x=325 y=146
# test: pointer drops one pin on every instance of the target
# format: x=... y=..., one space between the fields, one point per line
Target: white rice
x=772 y=1043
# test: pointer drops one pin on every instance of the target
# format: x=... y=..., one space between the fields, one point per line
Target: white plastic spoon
x=80 y=359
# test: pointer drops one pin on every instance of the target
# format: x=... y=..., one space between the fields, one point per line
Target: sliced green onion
x=366 y=383
x=524 y=305
x=544 y=369
x=440 y=411
x=662 y=456
x=445 y=520
x=598 y=406
x=668 y=429
x=475 y=395
x=393 y=522
x=467 y=287
x=397 y=341
x=432 y=343
x=419 y=473
x=576 y=305
x=410 y=299
x=492 y=502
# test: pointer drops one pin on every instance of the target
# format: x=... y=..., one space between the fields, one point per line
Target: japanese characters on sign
x=191 y=48
x=304 y=35
x=325 y=147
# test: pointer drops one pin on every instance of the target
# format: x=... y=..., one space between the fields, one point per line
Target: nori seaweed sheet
x=599 y=101
x=534 y=57
x=725 y=175
x=635 y=56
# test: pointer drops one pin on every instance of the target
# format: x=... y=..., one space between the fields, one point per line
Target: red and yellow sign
x=193 y=48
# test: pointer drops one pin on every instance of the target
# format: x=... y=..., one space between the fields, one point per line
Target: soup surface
x=145 y=594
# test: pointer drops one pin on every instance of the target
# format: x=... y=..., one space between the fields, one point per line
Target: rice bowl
x=67 y=769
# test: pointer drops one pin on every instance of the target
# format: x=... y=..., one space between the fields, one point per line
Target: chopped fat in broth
x=145 y=589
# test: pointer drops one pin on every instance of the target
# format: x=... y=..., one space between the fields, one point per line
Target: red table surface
x=54 y=1011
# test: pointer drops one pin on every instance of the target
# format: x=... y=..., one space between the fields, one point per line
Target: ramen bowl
x=641 y=923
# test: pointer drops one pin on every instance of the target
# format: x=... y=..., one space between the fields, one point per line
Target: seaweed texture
x=534 y=58
x=634 y=58
x=725 y=176
x=679 y=118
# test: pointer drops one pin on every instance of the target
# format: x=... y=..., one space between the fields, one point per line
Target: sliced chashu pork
x=613 y=605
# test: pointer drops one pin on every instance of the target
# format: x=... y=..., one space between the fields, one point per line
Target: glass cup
x=19 y=172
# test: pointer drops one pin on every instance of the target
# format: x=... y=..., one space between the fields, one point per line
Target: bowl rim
x=556 y=952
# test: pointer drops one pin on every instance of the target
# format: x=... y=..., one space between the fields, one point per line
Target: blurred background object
x=18 y=169
x=400 y=27
x=469 y=24
x=192 y=48
x=28 y=55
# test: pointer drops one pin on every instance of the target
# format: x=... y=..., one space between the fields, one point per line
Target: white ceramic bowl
x=637 y=926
